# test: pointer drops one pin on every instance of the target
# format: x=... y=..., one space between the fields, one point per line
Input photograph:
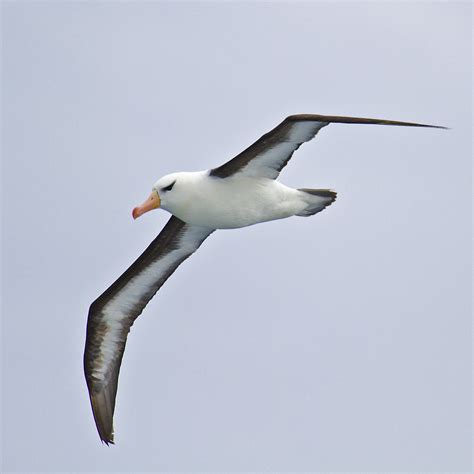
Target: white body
x=239 y=201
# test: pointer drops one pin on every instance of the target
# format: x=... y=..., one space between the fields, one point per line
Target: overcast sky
x=339 y=342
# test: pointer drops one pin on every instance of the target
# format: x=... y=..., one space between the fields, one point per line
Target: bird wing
x=112 y=314
x=270 y=153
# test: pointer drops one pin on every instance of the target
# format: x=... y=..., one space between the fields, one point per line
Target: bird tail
x=317 y=200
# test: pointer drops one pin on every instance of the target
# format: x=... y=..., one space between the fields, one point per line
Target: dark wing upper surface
x=271 y=152
x=112 y=314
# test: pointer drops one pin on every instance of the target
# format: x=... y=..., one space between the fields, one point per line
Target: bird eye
x=169 y=187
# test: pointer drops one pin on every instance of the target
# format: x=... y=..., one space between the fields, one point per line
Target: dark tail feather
x=317 y=199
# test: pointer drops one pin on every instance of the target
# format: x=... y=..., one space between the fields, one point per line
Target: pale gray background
x=339 y=342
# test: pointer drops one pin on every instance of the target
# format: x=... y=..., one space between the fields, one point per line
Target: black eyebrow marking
x=169 y=187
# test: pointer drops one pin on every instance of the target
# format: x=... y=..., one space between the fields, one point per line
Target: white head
x=166 y=193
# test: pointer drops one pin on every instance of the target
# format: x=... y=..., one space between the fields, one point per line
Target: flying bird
x=241 y=192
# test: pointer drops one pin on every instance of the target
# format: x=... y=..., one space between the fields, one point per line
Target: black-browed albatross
x=241 y=192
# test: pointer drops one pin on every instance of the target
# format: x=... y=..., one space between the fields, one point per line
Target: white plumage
x=238 y=201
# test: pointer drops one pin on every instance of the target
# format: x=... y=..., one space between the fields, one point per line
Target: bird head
x=160 y=196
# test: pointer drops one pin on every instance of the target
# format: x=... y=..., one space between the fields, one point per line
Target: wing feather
x=271 y=152
x=113 y=313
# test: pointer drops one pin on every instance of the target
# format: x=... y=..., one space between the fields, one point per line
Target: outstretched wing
x=112 y=314
x=271 y=152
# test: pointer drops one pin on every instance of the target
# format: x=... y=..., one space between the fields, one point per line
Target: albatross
x=242 y=192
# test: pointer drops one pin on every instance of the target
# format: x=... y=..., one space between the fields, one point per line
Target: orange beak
x=153 y=202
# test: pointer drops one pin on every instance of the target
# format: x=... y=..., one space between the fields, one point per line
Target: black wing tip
x=108 y=441
x=359 y=120
x=442 y=127
x=106 y=436
x=103 y=415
